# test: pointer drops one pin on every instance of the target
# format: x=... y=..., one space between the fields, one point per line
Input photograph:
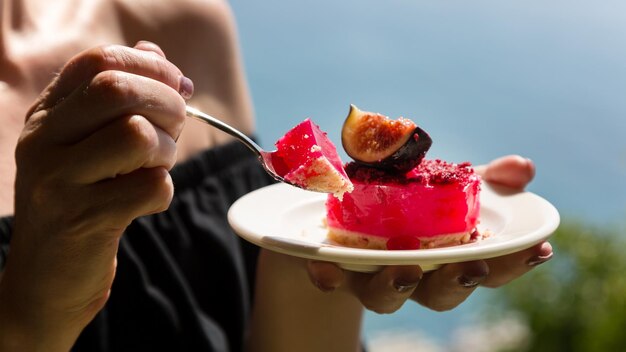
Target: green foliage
x=576 y=301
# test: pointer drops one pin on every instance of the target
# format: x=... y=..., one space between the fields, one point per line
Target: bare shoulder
x=178 y=22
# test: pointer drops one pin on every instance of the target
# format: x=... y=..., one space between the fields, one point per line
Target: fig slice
x=375 y=140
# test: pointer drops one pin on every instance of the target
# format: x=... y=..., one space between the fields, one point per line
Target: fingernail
x=324 y=288
x=529 y=162
x=185 y=87
x=473 y=279
x=403 y=286
x=144 y=42
x=467 y=281
x=406 y=278
x=531 y=167
x=540 y=259
x=473 y=274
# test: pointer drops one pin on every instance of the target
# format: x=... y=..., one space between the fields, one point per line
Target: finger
x=186 y=87
x=512 y=171
x=127 y=144
x=450 y=285
x=116 y=202
x=84 y=66
x=387 y=290
x=112 y=94
x=324 y=275
x=504 y=269
x=149 y=46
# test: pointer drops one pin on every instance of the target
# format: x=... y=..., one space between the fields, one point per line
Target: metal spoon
x=266 y=158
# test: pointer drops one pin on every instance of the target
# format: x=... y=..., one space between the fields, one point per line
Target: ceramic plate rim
x=527 y=206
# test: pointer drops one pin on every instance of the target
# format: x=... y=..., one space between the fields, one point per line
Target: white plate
x=290 y=220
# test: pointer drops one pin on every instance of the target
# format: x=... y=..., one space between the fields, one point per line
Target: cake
x=307 y=158
x=432 y=204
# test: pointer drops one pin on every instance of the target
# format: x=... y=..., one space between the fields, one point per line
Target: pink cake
x=307 y=158
x=435 y=204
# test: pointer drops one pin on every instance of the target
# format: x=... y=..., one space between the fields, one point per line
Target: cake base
x=319 y=175
x=360 y=240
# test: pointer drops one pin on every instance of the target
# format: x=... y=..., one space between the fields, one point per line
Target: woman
x=99 y=252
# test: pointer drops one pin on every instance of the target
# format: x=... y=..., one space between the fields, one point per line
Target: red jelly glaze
x=434 y=198
x=298 y=146
x=403 y=243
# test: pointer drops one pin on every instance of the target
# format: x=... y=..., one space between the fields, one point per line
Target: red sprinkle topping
x=427 y=172
x=474 y=235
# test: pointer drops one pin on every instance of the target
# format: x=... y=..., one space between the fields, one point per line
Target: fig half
x=375 y=140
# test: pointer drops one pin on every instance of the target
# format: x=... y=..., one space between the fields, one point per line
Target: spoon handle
x=206 y=118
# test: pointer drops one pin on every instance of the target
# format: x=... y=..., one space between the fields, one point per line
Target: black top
x=184 y=280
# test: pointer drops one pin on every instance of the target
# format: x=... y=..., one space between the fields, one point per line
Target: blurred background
x=546 y=80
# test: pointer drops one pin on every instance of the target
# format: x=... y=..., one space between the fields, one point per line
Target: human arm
x=93 y=155
x=344 y=294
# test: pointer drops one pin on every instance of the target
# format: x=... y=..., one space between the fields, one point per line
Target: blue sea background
x=543 y=79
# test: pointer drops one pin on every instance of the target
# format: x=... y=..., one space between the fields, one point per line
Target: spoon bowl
x=268 y=159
